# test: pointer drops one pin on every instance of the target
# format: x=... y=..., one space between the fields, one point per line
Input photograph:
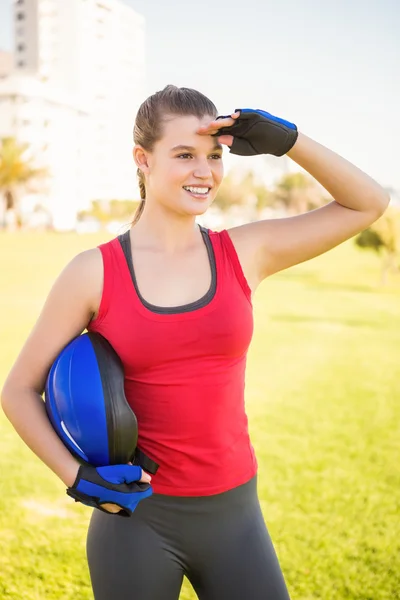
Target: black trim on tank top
x=125 y=242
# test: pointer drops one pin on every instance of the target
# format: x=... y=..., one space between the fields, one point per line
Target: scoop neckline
x=183 y=309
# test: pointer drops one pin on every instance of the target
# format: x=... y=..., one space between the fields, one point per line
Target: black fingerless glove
x=259 y=132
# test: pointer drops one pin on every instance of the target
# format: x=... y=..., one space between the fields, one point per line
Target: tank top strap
x=116 y=273
x=111 y=255
x=229 y=250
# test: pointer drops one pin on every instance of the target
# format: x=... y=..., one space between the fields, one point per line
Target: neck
x=165 y=231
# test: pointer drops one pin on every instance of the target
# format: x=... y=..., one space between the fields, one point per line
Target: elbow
x=5 y=395
x=7 y=398
x=384 y=202
x=379 y=203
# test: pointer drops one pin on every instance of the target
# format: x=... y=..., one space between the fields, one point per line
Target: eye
x=216 y=156
x=186 y=155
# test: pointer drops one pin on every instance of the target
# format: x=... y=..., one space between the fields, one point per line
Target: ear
x=141 y=158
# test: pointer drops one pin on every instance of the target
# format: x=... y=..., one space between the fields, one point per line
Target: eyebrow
x=181 y=147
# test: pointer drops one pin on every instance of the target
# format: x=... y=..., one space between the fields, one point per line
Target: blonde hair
x=151 y=116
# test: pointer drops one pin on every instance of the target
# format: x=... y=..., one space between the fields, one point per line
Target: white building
x=78 y=81
x=6 y=63
x=57 y=131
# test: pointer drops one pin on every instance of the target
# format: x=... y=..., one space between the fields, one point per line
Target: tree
x=299 y=193
x=228 y=193
x=245 y=191
x=17 y=169
x=105 y=211
x=256 y=193
x=383 y=237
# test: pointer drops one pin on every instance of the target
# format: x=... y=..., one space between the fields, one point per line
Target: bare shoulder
x=70 y=304
x=87 y=269
x=84 y=273
x=88 y=259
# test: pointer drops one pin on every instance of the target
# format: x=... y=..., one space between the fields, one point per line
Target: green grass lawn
x=323 y=389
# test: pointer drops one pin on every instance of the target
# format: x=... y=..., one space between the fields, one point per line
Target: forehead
x=182 y=130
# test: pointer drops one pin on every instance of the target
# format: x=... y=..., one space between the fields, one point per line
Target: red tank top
x=185 y=371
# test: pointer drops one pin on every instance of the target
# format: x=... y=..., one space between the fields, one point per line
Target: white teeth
x=197 y=190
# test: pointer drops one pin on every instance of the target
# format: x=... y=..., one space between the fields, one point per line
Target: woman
x=174 y=300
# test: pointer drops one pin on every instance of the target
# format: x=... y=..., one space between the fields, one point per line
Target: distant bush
x=383 y=237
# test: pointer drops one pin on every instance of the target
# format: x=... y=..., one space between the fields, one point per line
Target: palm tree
x=17 y=169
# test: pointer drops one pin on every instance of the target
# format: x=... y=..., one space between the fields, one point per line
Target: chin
x=198 y=207
x=197 y=210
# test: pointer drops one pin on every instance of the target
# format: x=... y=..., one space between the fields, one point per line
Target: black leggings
x=219 y=542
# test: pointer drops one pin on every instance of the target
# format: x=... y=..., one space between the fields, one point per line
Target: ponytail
x=142 y=189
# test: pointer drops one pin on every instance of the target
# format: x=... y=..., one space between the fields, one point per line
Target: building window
x=21 y=63
x=20 y=2
x=20 y=16
x=21 y=47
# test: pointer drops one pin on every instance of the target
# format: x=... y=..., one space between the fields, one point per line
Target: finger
x=227 y=140
x=213 y=126
x=145 y=477
x=132 y=473
x=112 y=508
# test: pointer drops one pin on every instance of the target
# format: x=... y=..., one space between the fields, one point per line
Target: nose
x=202 y=169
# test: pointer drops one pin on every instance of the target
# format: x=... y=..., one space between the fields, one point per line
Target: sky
x=333 y=68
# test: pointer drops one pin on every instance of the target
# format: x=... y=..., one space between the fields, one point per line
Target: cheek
x=167 y=174
x=218 y=172
x=177 y=171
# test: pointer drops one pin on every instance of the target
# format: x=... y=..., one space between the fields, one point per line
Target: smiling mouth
x=197 y=192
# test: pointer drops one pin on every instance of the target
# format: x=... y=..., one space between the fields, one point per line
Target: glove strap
x=94 y=503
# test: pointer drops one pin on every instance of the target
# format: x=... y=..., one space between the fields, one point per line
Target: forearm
x=26 y=411
x=347 y=184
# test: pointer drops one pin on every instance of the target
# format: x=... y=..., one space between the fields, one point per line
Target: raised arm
x=271 y=245
x=358 y=202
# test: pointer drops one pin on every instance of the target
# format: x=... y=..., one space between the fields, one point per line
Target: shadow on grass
x=282 y=318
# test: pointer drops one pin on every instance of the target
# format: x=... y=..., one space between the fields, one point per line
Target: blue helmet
x=86 y=404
